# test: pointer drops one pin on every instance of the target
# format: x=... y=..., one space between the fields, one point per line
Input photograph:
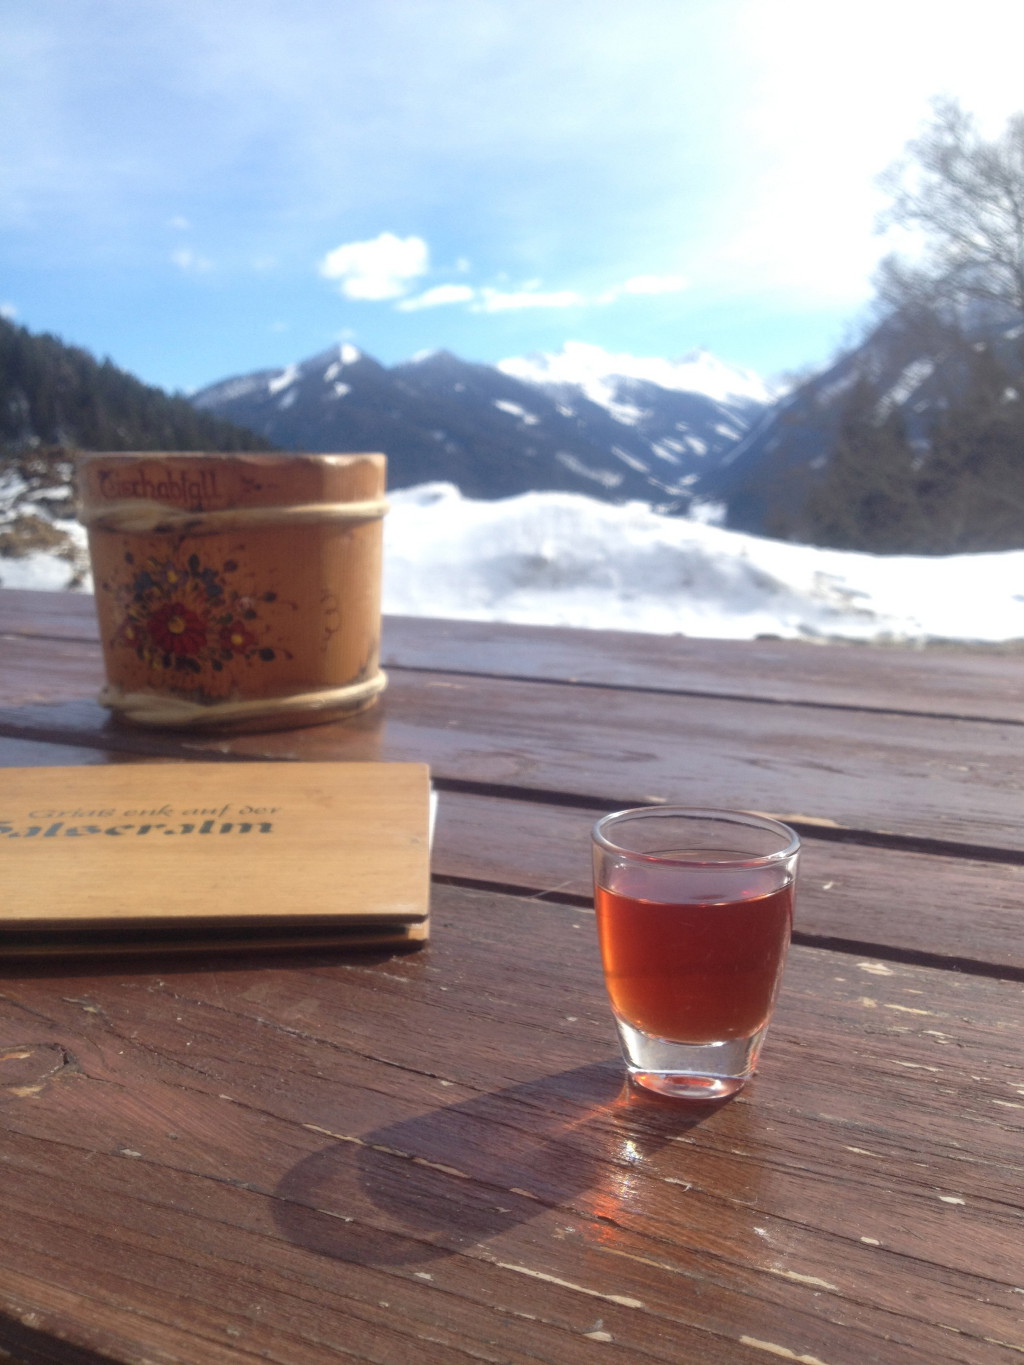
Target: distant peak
x=435 y=355
x=593 y=369
x=334 y=359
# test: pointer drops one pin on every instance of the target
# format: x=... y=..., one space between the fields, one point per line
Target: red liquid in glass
x=694 y=973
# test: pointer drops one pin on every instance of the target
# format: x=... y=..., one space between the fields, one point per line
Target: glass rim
x=740 y=817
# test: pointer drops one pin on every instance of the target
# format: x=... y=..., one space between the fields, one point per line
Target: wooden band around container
x=140 y=515
x=150 y=708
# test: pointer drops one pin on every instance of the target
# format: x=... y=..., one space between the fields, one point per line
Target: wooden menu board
x=192 y=856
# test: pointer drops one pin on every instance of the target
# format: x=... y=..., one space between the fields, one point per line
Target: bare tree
x=965 y=195
x=947 y=476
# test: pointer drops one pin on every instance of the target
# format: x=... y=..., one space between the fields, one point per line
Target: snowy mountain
x=783 y=453
x=598 y=374
x=617 y=428
x=913 y=383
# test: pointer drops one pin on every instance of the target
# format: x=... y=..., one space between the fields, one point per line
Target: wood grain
x=980 y=682
x=880 y=900
x=128 y=849
x=886 y=901
x=48 y=615
x=433 y=1157
x=913 y=777
x=28 y=753
x=42 y=670
x=955 y=681
x=193 y=1166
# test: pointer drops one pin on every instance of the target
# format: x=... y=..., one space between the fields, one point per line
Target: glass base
x=689 y=1071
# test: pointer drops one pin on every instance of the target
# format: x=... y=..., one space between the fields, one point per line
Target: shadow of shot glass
x=448 y=1179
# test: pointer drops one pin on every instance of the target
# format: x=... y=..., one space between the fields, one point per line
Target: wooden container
x=236 y=591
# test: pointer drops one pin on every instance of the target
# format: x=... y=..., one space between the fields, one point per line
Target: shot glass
x=694 y=915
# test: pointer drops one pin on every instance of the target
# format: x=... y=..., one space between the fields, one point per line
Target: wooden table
x=432 y=1156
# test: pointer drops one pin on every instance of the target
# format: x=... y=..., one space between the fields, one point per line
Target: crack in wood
x=854 y=947
x=706 y=694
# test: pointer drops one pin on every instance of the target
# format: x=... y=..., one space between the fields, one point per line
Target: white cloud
x=440 y=294
x=500 y=301
x=382 y=268
x=709 y=118
x=190 y=261
x=491 y=300
x=645 y=284
x=8 y=311
x=654 y=284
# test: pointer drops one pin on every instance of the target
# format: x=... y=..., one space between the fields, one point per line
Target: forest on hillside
x=960 y=490
x=56 y=399
x=55 y=395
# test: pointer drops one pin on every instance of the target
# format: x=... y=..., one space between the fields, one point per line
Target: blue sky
x=199 y=189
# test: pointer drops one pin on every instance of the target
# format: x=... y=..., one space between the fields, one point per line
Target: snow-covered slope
x=596 y=374
x=562 y=559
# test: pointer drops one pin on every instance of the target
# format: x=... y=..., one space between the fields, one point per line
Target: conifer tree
x=57 y=395
x=867 y=497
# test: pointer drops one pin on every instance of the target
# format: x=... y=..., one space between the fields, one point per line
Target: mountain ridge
x=494 y=432
x=909 y=442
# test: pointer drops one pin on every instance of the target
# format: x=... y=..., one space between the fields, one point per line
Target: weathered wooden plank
x=970 y=681
x=435 y=1154
x=53 y=615
x=186 y=1147
x=84 y=723
x=891 y=902
x=960 y=781
x=27 y=753
x=908 y=904
x=954 y=780
x=39 y=670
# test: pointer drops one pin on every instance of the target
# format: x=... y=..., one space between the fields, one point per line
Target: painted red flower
x=236 y=638
x=176 y=630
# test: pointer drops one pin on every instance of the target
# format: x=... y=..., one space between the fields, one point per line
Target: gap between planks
x=705 y=694
x=805 y=827
x=161 y=744
x=965 y=966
